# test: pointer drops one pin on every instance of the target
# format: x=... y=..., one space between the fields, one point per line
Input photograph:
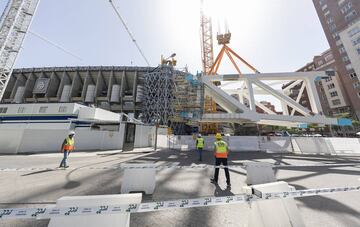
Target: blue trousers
x=200 y=153
x=63 y=162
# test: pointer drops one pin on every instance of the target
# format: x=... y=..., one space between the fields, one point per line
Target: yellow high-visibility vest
x=221 y=149
x=69 y=144
x=200 y=143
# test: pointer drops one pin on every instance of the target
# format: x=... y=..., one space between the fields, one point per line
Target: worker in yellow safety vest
x=67 y=147
x=221 y=151
x=200 y=142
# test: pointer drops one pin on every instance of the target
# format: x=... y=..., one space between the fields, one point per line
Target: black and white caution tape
x=240 y=166
x=51 y=212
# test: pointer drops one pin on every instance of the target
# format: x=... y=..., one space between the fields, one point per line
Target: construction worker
x=200 y=145
x=66 y=147
x=221 y=154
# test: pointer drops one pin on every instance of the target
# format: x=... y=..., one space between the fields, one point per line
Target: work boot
x=228 y=185
x=66 y=167
x=213 y=181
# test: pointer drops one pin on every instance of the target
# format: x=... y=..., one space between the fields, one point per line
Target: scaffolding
x=158 y=95
x=172 y=98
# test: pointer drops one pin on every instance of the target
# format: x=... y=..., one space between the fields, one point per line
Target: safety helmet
x=199 y=135
x=218 y=136
x=71 y=133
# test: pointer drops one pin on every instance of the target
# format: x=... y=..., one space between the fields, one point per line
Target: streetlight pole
x=156 y=135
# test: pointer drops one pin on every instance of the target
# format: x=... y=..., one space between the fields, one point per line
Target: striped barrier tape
x=52 y=212
x=241 y=166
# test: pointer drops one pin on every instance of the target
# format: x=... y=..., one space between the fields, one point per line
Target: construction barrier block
x=138 y=179
x=121 y=219
x=277 y=212
x=259 y=173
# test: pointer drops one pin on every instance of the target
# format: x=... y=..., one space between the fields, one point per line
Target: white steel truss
x=252 y=84
x=15 y=23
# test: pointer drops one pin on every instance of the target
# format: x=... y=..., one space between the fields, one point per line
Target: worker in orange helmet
x=221 y=154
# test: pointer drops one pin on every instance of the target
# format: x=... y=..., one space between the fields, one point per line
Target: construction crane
x=211 y=67
x=15 y=23
x=207 y=55
x=224 y=40
x=207 y=51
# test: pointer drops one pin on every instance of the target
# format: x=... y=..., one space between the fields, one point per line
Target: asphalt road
x=34 y=188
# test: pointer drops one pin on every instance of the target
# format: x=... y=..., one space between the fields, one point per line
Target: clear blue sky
x=275 y=36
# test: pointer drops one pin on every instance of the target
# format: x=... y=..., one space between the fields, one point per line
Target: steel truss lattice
x=15 y=23
x=158 y=95
x=172 y=98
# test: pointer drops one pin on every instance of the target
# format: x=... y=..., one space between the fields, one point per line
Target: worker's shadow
x=222 y=192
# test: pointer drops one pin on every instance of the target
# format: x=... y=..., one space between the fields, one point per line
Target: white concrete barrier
x=312 y=145
x=243 y=143
x=344 y=145
x=139 y=180
x=143 y=136
x=307 y=145
x=259 y=173
x=274 y=213
x=122 y=219
x=275 y=144
x=10 y=140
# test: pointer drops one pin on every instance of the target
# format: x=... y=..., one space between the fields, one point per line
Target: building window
x=345 y=59
x=332 y=27
x=330 y=20
x=321 y=62
x=349 y=67
x=354 y=31
x=331 y=86
x=327 y=13
x=356 y=41
x=329 y=57
x=328 y=79
x=336 y=36
x=346 y=8
x=341 y=2
x=336 y=102
x=359 y=94
x=43 y=109
x=21 y=109
x=350 y=16
x=338 y=43
x=62 y=109
x=324 y=7
x=356 y=85
x=342 y=50
x=3 y=109
x=353 y=75
x=333 y=94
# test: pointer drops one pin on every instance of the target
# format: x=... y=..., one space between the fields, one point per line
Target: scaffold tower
x=172 y=98
x=14 y=24
x=158 y=95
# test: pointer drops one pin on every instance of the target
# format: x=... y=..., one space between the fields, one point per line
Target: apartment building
x=331 y=91
x=337 y=18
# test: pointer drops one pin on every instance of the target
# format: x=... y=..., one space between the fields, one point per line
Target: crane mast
x=207 y=50
x=207 y=55
x=14 y=25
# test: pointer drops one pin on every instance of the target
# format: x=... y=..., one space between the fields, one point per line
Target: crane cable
x=55 y=45
x=129 y=32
